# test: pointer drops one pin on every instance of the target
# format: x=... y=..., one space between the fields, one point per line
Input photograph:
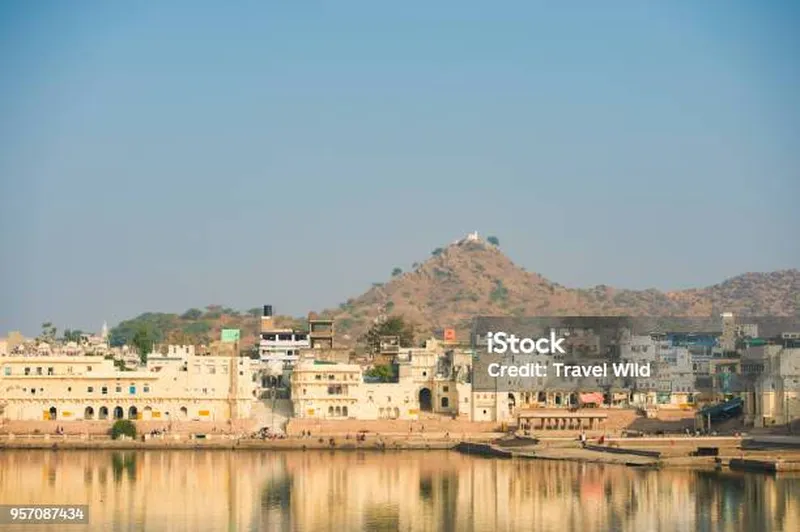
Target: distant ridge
x=473 y=277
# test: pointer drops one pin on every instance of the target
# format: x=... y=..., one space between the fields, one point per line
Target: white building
x=175 y=386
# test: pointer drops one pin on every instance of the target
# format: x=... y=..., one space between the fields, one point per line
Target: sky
x=161 y=156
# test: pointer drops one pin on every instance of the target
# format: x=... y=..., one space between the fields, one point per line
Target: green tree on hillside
x=158 y=325
x=493 y=240
x=143 y=341
x=192 y=314
x=436 y=252
x=396 y=272
x=392 y=326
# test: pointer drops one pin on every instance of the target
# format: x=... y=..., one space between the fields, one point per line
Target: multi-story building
x=428 y=380
x=176 y=386
x=320 y=332
x=773 y=396
x=280 y=345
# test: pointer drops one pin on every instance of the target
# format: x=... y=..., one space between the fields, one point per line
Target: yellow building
x=429 y=380
x=175 y=386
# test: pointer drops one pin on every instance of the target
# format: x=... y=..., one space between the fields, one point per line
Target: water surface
x=402 y=490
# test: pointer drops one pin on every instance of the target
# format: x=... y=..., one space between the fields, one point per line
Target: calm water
x=342 y=491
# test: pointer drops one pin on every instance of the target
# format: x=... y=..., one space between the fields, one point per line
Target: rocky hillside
x=473 y=277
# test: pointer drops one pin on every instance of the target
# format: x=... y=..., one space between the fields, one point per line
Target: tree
x=396 y=272
x=48 y=332
x=192 y=314
x=123 y=427
x=436 y=252
x=143 y=342
x=493 y=240
x=392 y=326
x=385 y=373
x=71 y=335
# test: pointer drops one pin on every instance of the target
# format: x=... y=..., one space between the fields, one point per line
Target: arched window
x=89 y=413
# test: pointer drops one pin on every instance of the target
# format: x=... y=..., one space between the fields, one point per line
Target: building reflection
x=219 y=490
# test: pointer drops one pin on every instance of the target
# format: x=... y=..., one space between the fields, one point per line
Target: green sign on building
x=230 y=335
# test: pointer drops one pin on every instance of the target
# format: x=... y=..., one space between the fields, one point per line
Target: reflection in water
x=342 y=491
x=122 y=463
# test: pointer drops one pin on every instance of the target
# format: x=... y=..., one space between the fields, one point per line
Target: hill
x=473 y=277
x=196 y=326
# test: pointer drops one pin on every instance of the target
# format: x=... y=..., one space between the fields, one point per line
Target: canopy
x=595 y=397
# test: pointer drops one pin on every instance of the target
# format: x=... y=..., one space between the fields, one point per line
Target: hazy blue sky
x=159 y=157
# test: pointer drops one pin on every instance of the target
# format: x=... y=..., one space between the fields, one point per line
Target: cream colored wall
x=310 y=386
x=73 y=384
x=389 y=401
x=311 y=398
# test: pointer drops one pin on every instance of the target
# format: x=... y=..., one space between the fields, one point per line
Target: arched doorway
x=53 y=413
x=425 y=403
x=133 y=413
x=184 y=412
x=119 y=413
x=103 y=413
x=512 y=401
x=148 y=413
x=88 y=413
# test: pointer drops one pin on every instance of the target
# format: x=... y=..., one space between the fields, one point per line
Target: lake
x=401 y=490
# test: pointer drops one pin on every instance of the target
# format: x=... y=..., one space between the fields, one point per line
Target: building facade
x=176 y=386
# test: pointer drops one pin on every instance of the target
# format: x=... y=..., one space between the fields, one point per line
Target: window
x=27 y=371
x=445 y=389
x=146 y=389
x=7 y=370
x=104 y=390
x=212 y=370
x=69 y=389
x=445 y=402
x=50 y=371
x=132 y=390
x=118 y=389
x=90 y=389
x=88 y=368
